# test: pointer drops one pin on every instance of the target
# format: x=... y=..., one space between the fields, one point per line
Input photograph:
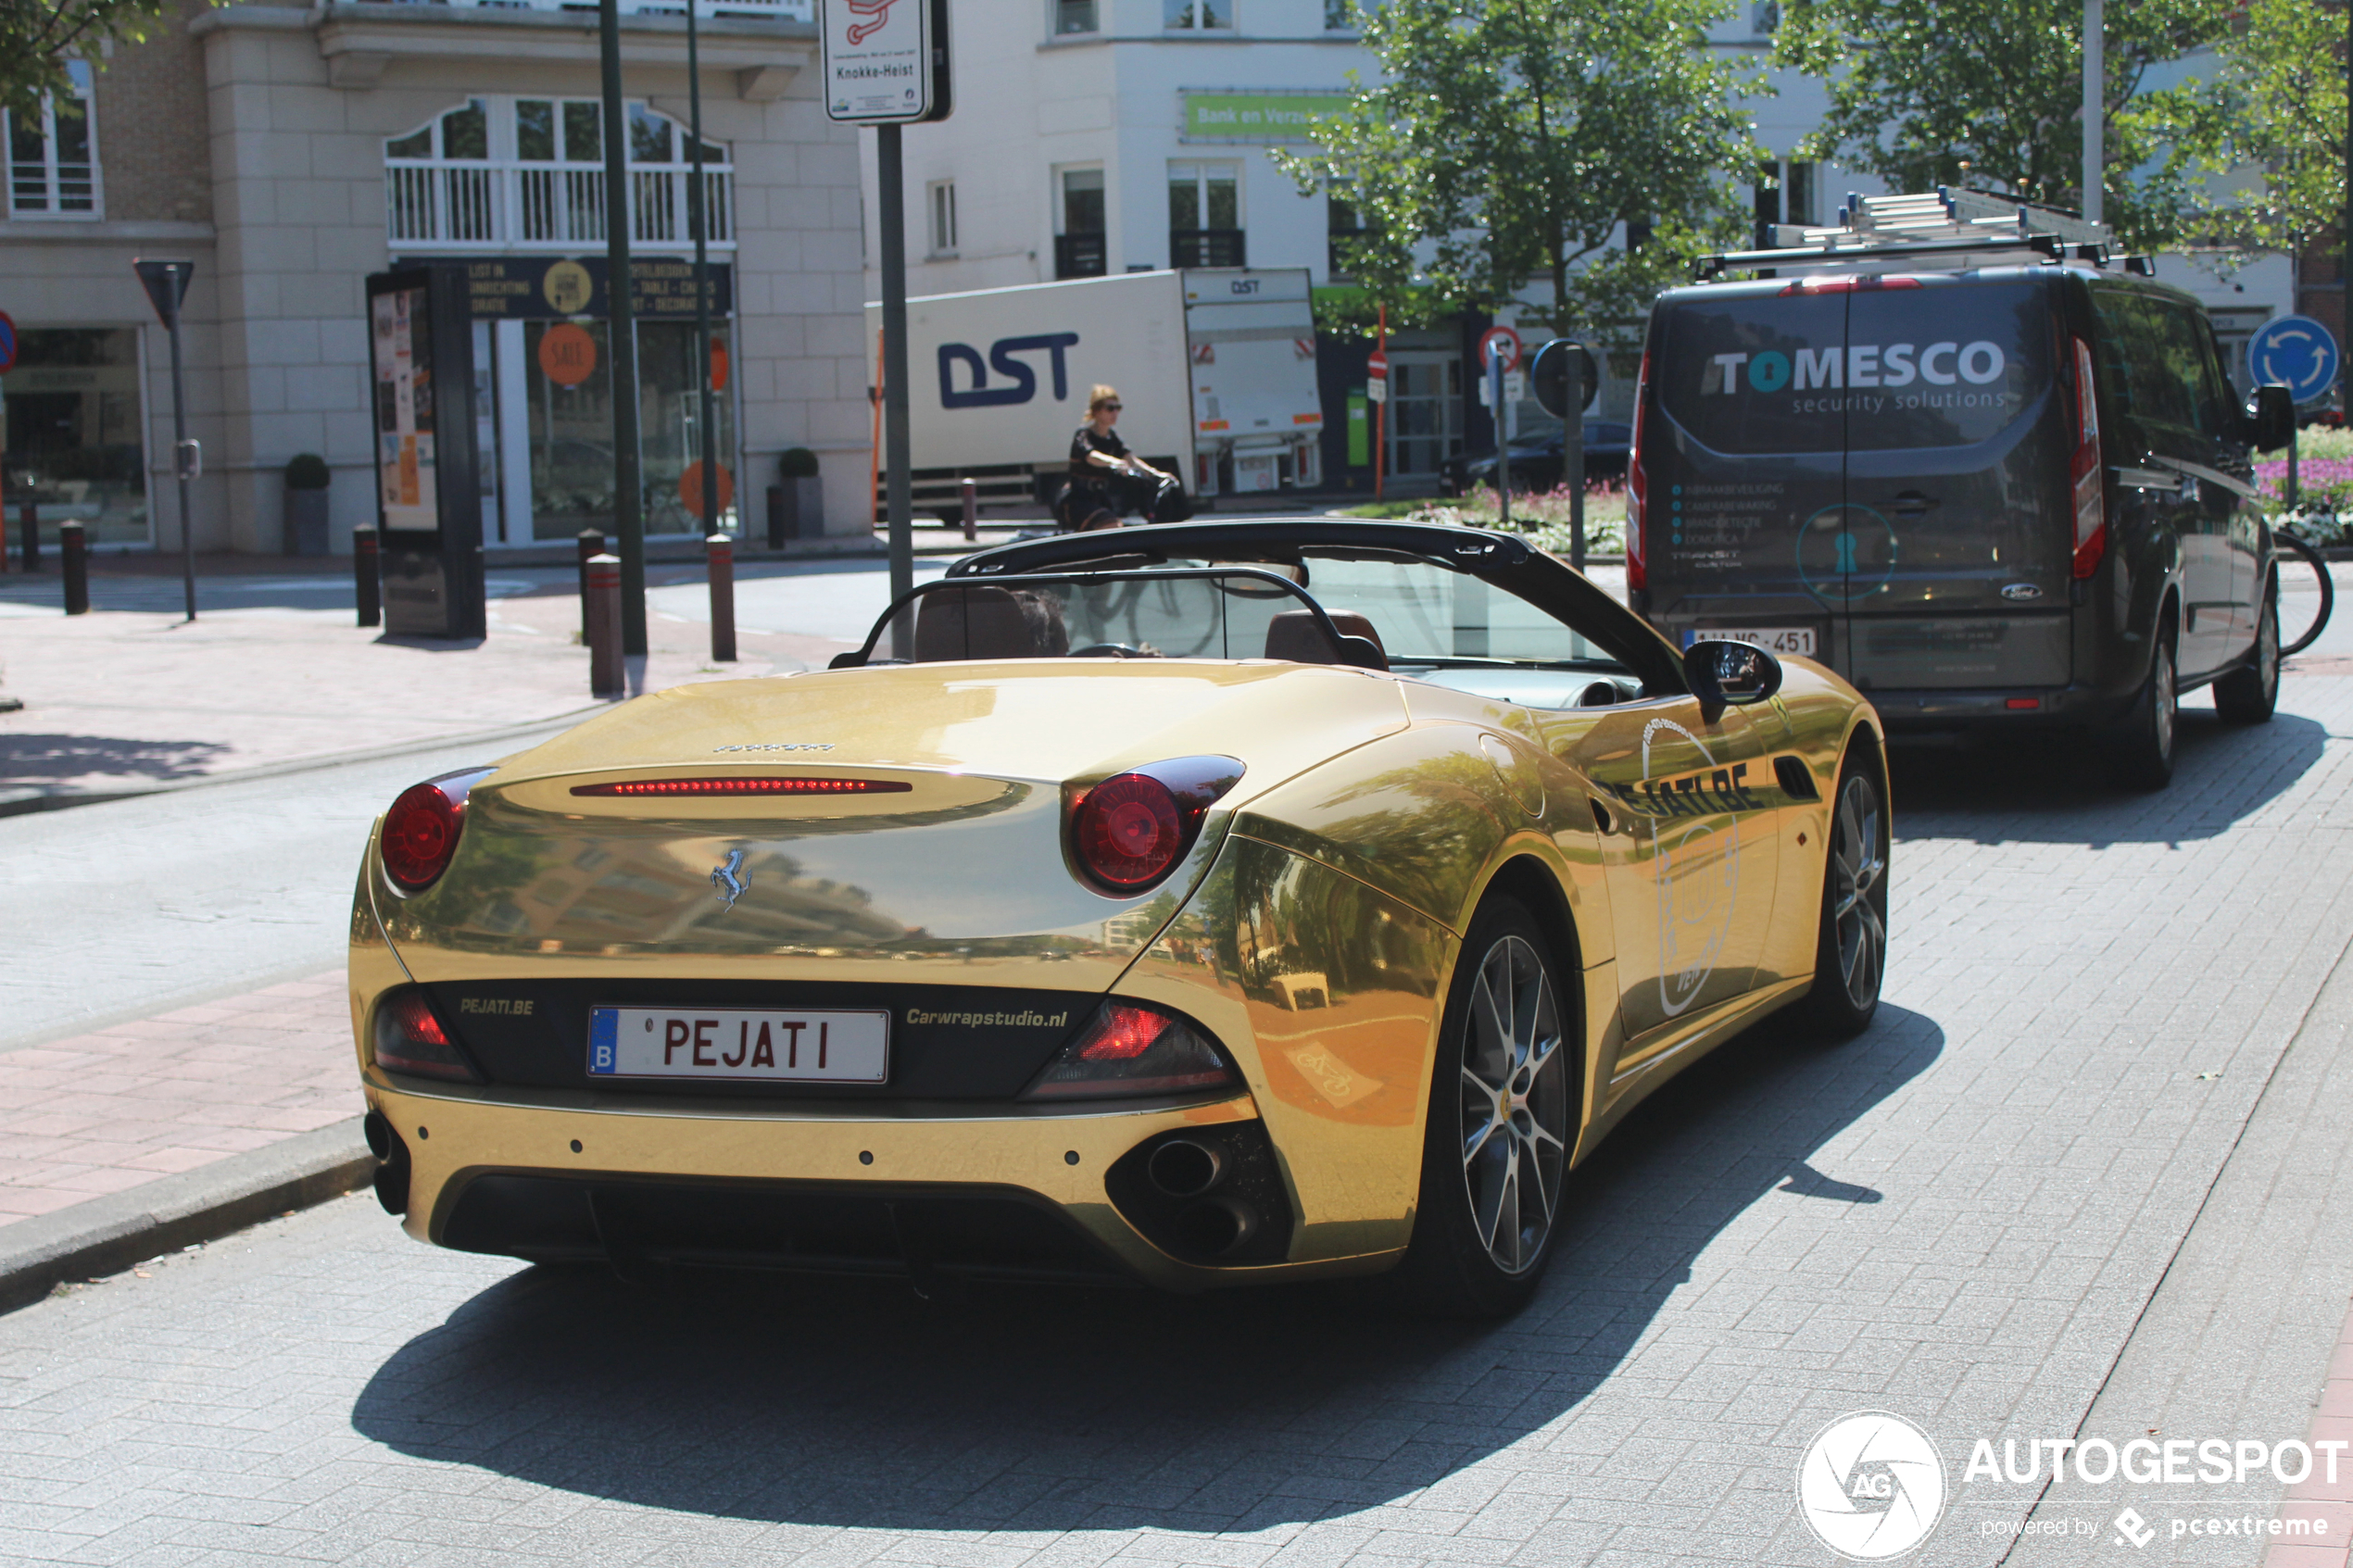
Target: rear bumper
x=551 y=1178
x=2054 y=708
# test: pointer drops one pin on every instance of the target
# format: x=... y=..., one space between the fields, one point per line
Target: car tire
x=2141 y=752
x=1503 y=1119
x=1850 y=950
x=2250 y=694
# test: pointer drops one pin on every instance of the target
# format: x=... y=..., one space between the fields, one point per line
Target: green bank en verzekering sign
x=1255 y=117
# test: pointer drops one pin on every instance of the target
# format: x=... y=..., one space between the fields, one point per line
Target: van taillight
x=2090 y=489
x=1637 y=485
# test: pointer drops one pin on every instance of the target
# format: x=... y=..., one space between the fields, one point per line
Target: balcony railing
x=545 y=206
x=1081 y=255
x=787 y=11
x=1207 y=247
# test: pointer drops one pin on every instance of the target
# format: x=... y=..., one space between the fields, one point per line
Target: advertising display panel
x=421 y=377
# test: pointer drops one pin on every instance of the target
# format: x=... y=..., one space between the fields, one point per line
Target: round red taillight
x=1128 y=831
x=421 y=833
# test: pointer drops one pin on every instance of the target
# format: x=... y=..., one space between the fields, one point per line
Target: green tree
x=1509 y=141
x=2254 y=153
x=37 y=37
x=1989 y=94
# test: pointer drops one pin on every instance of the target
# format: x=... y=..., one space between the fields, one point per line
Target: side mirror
x=2271 y=418
x=1724 y=674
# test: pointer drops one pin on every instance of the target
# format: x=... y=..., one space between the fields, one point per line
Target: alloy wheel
x=1857 y=871
x=2163 y=701
x=1515 y=1105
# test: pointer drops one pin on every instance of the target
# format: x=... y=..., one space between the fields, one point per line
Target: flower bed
x=1542 y=515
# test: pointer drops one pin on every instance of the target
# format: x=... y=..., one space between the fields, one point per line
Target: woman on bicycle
x=1098 y=457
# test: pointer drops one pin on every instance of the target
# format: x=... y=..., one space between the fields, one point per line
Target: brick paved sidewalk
x=102 y=1112
x=2318 y=1498
x=127 y=700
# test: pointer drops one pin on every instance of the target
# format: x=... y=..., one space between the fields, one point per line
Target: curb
x=109 y=1234
x=24 y=799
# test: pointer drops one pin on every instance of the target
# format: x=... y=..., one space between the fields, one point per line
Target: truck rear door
x=1956 y=485
x=1250 y=342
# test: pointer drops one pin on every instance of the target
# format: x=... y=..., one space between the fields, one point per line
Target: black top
x=1087 y=440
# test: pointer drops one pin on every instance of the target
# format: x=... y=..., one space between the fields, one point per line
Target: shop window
x=528 y=174
x=1075 y=15
x=73 y=436
x=1344 y=225
x=1182 y=16
x=1339 y=16
x=940 y=201
x=568 y=408
x=1205 y=215
x=1081 y=247
x=52 y=154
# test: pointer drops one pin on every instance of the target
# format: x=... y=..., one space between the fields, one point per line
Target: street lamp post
x=698 y=217
x=166 y=286
x=629 y=522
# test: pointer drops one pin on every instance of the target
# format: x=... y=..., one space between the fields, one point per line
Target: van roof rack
x=1961 y=227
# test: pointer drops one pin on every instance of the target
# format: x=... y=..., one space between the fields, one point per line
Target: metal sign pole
x=897 y=453
x=2095 y=109
x=180 y=465
x=1573 y=474
x=629 y=522
x=1503 y=443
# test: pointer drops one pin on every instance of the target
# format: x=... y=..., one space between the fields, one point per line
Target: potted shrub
x=795 y=504
x=306 y=480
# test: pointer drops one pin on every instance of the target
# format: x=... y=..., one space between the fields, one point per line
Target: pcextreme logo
x=1870 y=1486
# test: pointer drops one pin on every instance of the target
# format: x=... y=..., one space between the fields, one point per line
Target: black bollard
x=606 y=676
x=367 y=583
x=73 y=550
x=591 y=544
x=972 y=509
x=722 y=555
x=31 y=535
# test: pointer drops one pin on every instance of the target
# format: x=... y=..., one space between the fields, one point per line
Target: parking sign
x=885 y=61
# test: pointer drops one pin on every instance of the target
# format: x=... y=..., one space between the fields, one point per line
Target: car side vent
x=1797 y=781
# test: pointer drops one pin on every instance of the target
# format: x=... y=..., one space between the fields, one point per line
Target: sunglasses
x=1114 y=407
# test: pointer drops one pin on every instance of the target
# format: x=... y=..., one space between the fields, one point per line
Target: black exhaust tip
x=1182 y=1168
x=392 y=1172
x=1215 y=1226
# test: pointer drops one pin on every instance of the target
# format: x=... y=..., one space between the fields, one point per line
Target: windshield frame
x=1503 y=561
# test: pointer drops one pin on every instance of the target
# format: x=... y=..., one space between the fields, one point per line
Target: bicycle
x=2297 y=545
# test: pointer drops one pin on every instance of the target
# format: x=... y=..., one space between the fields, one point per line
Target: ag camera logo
x=1870 y=1486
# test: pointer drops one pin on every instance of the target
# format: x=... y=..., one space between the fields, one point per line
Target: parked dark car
x=1537 y=460
x=1997 y=497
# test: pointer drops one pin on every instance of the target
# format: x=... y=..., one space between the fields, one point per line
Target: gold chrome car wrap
x=1313 y=928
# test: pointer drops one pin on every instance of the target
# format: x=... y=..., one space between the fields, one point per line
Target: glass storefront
x=567 y=378
x=75 y=445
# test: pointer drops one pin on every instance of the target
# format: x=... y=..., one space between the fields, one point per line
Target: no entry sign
x=1377 y=365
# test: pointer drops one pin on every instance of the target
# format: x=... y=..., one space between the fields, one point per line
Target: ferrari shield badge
x=725 y=879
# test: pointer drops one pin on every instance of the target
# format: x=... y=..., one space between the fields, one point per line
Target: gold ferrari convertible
x=1195 y=904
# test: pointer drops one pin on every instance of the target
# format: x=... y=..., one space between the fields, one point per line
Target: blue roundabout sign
x=2296 y=352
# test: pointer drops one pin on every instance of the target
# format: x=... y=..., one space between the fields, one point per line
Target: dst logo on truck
x=1858 y=364
x=1021 y=384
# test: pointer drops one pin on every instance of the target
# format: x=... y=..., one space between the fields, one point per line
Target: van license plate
x=735 y=1043
x=1798 y=640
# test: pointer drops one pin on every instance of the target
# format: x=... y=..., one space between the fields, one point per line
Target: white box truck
x=1216 y=366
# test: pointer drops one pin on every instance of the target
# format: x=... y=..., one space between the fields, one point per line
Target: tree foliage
x=37 y=37
x=2254 y=153
x=1509 y=141
x=1989 y=94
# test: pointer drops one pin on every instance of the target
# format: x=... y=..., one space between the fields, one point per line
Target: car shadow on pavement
x=1001 y=1408
x=2052 y=789
x=43 y=758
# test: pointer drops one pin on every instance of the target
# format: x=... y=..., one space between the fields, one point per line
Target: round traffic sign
x=1556 y=365
x=1377 y=365
x=2296 y=352
x=7 y=344
x=1507 y=338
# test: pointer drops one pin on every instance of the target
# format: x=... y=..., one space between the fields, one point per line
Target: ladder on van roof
x=1957 y=228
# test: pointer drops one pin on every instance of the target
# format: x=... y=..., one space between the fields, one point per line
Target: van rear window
x=1928 y=362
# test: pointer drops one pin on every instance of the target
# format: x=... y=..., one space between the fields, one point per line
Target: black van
x=2002 y=496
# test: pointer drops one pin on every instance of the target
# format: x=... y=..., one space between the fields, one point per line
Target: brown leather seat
x=980 y=622
x=1293 y=634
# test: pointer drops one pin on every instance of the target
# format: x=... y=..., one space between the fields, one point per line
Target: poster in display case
x=428 y=506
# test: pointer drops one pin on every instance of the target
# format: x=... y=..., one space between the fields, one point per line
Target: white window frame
x=1060 y=14
x=939 y=215
x=52 y=179
x=1183 y=15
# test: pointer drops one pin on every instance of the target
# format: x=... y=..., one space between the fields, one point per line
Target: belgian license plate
x=737 y=1043
x=1798 y=640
